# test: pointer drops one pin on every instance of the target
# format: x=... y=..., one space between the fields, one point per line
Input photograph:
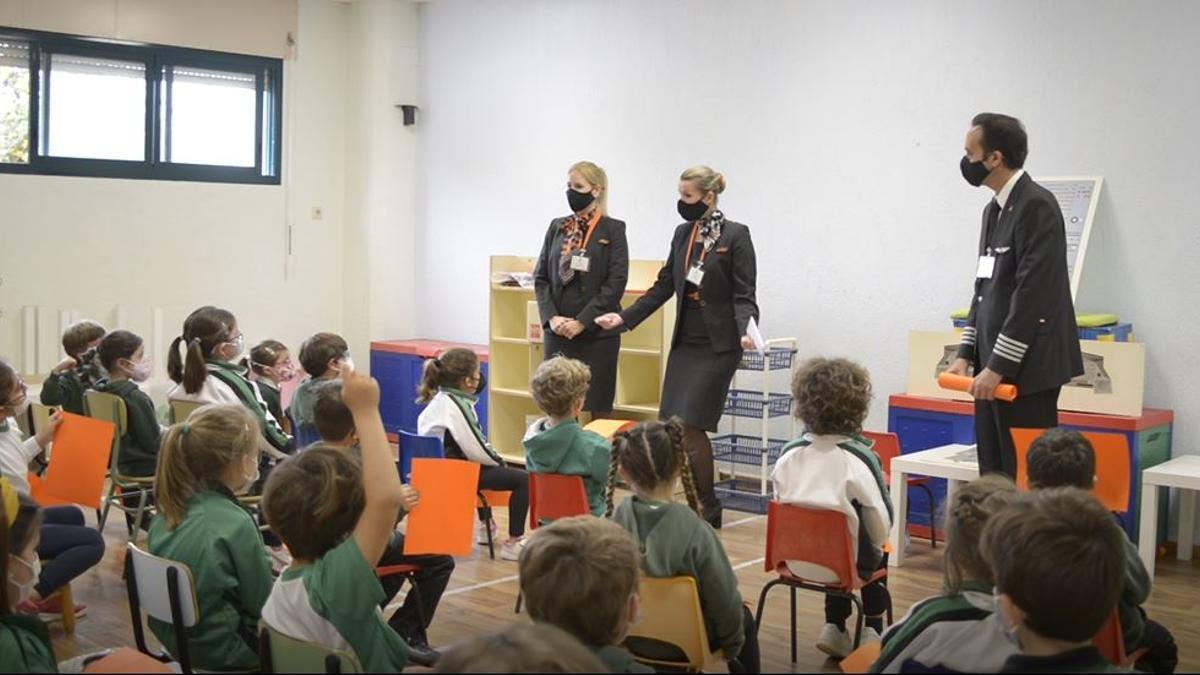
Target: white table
x=958 y=464
x=1182 y=473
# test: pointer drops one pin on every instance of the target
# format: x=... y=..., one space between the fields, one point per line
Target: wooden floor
x=482 y=592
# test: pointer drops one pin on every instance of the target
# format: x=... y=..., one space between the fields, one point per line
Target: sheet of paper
x=756 y=336
x=444 y=521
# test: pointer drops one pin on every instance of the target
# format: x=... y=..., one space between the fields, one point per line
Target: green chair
x=111 y=408
x=282 y=654
x=181 y=410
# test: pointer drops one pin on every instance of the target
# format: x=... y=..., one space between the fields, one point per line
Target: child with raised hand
x=336 y=516
x=335 y=424
x=204 y=462
x=1058 y=560
x=74 y=374
x=958 y=630
x=1065 y=458
x=831 y=467
x=581 y=575
x=208 y=372
x=673 y=539
x=450 y=384
x=270 y=365
x=556 y=443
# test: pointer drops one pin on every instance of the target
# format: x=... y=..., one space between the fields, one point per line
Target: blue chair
x=413 y=446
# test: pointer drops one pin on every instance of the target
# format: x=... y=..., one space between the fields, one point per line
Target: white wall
x=91 y=244
x=839 y=127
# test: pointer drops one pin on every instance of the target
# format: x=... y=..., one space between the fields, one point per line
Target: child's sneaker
x=511 y=550
x=481 y=532
x=49 y=610
x=835 y=641
x=869 y=635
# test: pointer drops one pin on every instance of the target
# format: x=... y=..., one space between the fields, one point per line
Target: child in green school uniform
x=123 y=356
x=204 y=462
x=74 y=374
x=336 y=515
x=24 y=640
x=557 y=444
x=673 y=539
x=271 y=365
x=1058 y=560
x=581 y=575
x=323 y=356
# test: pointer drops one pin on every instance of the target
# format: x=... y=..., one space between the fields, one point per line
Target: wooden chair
x=111 y=408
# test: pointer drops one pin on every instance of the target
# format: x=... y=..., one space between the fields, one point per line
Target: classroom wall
x=90 y=244
x=839 y=127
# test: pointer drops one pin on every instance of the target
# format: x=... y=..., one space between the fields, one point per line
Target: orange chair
x=1111 y=643
x=552 y=496
x=821 y=540
x=887 y=447
x=860 y=660
x=1112 y=465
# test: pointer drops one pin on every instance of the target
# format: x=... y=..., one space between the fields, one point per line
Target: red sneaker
x=48 y=610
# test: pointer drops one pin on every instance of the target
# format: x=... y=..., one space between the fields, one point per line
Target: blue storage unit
x=397 y=366
x=923 y=423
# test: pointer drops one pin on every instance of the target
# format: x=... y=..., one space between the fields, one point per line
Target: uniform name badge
x=987 y=265
x=696 y=274
x=580 y=262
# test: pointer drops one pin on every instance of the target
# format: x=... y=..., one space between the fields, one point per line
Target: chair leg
x=793 y=630
x=517 y=609
x=67 y=600
x=416 y=591
x=858 y=623
x=932 y=514
x=137 y=517
x=762 y=601
x=112 y=488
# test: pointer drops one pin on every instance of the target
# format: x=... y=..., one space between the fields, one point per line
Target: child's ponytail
x=195 y=371
x=431 y=377
x=175 y=362
x=674 y=429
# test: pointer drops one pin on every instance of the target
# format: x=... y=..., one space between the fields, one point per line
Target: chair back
x=1112 y=465
x=99 y=405
x=861 y=659
x=812 y=545
x=1110 y=641
x=553 y=496
x=886 y=446
x=672 y=618
x=181 y=410
x=283 y=654
x=164 y=590
x=413 y=446
x=41 y=416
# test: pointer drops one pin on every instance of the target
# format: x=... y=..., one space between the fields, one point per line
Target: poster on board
x=1077 y=198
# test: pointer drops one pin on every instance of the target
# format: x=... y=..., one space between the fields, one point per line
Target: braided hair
x=967 y=514
x=651 y=454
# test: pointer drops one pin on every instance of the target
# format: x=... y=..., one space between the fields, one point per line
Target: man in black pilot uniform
x=1021 y=328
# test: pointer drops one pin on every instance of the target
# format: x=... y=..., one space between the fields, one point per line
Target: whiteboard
x=1077 y=198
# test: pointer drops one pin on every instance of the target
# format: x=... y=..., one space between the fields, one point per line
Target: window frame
x=268 y=146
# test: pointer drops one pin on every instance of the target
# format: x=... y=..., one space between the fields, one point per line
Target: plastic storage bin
x=747 y=403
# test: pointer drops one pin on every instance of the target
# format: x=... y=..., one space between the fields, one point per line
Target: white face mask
x=141 y=371
x=347 y=363
x=25 y=590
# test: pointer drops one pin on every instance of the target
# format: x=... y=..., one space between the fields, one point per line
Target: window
x=75 y=106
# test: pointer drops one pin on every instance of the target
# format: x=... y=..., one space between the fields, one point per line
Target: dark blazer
x=1022 y=320
x=602 y=285
x=726 y=293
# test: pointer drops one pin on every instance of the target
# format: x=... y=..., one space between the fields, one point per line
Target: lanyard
x=692 y=245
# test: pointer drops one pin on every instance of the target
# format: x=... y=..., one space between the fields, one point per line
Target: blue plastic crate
x=748 y=403
x=741 y=495
x=746 y=450
x=1120 y=332
x=776 y=358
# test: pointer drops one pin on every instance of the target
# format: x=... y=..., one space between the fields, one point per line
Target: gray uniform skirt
x=697 y=380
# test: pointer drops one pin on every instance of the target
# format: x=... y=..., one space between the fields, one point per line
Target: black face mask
x=692 y=212
x=482 y=384
x=579 y=200
x=974 y=172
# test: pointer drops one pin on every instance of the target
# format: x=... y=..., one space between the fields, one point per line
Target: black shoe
x=422 y=654
x=712 y=514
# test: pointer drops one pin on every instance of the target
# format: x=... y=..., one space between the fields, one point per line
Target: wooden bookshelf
x=513 y=356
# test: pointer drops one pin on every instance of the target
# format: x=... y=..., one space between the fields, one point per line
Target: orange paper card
x=78 y=461
x=444 y=521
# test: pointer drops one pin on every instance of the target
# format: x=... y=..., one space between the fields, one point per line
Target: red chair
x=552 y=496
x=1111 y=643
x=886 y=447
x=409 y=572
x=819 y=538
